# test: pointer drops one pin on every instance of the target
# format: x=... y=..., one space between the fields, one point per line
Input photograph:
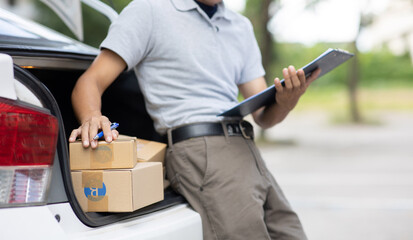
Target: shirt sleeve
x=129 y=35
x=253 y=68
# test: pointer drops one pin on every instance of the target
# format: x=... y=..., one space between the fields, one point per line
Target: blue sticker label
x=95 y=194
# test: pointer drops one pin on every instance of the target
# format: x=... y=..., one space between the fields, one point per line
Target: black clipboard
x=327 y=61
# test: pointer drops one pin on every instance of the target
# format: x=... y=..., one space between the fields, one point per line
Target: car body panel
x=57 y=221
x=7 y=89
x=34 y=222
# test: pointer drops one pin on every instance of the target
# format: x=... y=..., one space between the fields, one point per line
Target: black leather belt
x=239 y=128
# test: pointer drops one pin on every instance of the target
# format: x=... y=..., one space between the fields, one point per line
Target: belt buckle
x=232 y=129
x=242 y=128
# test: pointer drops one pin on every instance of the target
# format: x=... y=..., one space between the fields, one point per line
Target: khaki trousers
x=226 y=181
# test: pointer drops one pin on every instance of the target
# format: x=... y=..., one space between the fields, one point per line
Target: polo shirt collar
x=187 y=5
x=184 y=5
x=222 y=11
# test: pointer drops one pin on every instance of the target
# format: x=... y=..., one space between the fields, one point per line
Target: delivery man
x=191 y=59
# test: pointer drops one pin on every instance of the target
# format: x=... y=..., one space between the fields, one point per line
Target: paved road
x=346 y=182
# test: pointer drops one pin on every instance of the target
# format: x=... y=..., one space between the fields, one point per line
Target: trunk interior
x=122 y=102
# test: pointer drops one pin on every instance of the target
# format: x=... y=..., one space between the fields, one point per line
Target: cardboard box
x=119 y=190
x=120 y=153
x=149 y=151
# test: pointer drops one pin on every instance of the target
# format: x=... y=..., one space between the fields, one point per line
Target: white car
x=38 y=69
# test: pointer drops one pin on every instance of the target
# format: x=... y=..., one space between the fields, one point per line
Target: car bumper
x=58 y=221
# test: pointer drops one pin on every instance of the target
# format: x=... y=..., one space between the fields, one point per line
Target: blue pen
x=100 y=134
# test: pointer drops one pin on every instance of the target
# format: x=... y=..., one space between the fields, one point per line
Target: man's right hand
x=86 y=98
x=88 y=130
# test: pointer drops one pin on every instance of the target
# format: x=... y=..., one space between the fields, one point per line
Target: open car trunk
x=122 y=102
x=49 y=64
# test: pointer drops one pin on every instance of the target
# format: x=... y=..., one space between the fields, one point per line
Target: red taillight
x=28 y=139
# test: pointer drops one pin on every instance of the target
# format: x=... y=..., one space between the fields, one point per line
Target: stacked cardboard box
x=110 y=178
x=149 y=151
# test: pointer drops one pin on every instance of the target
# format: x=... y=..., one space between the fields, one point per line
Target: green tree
x=260 y=12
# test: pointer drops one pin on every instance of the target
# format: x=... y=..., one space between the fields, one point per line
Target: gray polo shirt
x=188 y=65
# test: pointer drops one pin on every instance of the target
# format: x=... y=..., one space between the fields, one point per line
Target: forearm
x=271 y=115
x=286 y=97
x=86 y=99
x=86 y=96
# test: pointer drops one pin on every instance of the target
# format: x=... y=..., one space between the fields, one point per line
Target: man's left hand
x=295 y=85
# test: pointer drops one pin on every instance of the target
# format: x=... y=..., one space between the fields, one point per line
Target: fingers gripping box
x=119 y=190
x=121 y=153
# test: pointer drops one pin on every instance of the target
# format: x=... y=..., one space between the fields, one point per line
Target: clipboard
x=327 y=61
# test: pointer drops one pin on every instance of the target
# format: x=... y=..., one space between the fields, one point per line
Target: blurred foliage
x=252 y=11
x=379 y=68
x=299 y=55
x=383 y=69
x=260 y=13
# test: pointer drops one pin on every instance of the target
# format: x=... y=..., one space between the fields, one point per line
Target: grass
x=370 y=99
x=335 y=100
